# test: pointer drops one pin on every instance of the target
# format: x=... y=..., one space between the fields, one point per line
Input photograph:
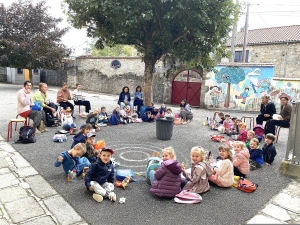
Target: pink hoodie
x=241 y=161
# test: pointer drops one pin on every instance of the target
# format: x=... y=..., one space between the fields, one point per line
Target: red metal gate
x=187 y=85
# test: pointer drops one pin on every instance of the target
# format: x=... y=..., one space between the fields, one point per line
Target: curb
x=22 y=188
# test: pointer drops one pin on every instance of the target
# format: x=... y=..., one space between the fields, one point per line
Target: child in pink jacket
x=243 y=132
x=240 y=159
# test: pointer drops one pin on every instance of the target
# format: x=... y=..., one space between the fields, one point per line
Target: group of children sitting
x=253 y=154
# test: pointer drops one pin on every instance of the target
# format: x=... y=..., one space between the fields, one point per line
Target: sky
x=263 y=14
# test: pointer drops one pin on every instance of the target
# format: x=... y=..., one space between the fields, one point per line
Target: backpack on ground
x=59 y=138
x=246 y=185
x=113 y=120
x=154 y=163
x=143 y=109
x=259 y=131
x=49 y=120
x=121 y=174
x=26 y=135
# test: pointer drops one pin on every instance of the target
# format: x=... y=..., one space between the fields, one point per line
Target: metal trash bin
x=164 y=128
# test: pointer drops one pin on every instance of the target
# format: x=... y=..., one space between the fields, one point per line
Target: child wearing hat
x=67 y=120
x=100 y=176
x=91 y=153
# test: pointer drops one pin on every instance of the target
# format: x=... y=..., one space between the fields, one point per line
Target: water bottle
x=74 y=176
x=70 y=176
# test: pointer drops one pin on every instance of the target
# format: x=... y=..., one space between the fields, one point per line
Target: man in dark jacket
x=100 y=176
x=269 y=150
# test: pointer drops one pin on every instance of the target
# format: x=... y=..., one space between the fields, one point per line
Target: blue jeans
x=68 y=126
x=151 y=176
x=122 y=104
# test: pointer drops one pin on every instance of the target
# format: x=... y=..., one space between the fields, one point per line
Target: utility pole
x=233 y=36
x=246 y=33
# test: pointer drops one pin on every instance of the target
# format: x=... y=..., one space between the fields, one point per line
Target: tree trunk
x=148 y=78
x=226 y=104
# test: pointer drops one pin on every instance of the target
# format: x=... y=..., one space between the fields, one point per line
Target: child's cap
x=91 y=135
x=108 y=149
x=68 y=109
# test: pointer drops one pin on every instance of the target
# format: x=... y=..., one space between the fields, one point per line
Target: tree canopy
x=118 y=50
x=29 y=37
x=185 y=29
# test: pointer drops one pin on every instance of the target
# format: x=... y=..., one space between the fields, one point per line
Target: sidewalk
x=25 y=197
x=284 y=208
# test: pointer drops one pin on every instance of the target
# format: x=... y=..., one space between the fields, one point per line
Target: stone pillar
x=204 y=89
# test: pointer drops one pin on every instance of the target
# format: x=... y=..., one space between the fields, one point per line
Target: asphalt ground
x=133 y=144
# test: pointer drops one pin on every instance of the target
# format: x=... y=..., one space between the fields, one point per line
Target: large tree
x=186 y=29
x=29 y=37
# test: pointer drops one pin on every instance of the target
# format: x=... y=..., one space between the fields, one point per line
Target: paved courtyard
x=133 y=144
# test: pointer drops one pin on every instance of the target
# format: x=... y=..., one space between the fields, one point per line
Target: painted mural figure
x=243 y=95
x=215 y=97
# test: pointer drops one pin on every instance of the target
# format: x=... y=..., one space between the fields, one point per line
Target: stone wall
x=96 y=74
x=285 y=57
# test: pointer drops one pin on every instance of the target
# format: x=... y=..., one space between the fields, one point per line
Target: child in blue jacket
x=100 y=176
x=80 y=137
x=256 y=159
x=269 y=150
x=71 y=160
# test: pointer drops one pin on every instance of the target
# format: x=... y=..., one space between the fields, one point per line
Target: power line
x=260 y=17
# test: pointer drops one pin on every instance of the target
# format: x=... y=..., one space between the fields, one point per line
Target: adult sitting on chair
x=267 y=110
x=284 y=120
x=63 y=95
x=124 y=99
x=138 y=98
x=41 y=97
x=79 y=100
x=24 y=106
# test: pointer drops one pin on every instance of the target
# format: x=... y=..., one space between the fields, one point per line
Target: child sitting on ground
x=250 y=135
x=162 y=110
x=148 y=117
x=256 y=155
x=222 y=117
x=197 y=180
x=91 y=153
x=240 y=159
x=124 y=116
x=67 y=120
x=243 y=132
x=269 y=150
x=236 y=125
x=92 y=118
x=103 y=118
x=80 y=137
x=169 y=113
x=223 y=175
x=100 y=176
x=228 y=124
x=71 y=159
x=168 y=173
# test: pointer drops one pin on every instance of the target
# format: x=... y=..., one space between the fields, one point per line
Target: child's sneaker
x=115 y=164
x=112 y=196
x=98 y=197
x=184 y=122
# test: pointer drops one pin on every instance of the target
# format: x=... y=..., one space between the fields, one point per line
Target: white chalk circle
x=134 y=160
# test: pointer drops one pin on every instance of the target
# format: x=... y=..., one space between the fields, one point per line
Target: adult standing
x=79 y=99
x=48 y=107
x=63 y=95
x=186 y=112
x=284 y=120
x=24 y=106
x=125 y=99
x=267 y=110
x=138 y=98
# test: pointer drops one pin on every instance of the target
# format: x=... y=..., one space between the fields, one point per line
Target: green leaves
x=30 y=37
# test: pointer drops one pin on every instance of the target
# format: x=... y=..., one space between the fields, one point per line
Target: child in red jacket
x=243 y=132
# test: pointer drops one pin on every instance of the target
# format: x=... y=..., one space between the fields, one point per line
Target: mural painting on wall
x=241 y=88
